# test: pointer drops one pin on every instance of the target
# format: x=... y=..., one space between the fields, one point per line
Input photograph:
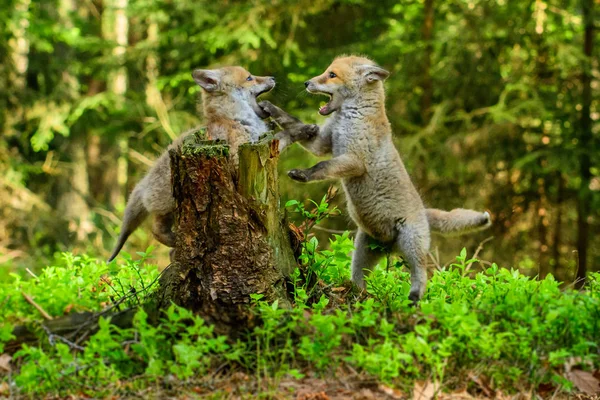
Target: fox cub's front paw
x=307 y=132
x=300 y=132
x=298 y=175
x=282 y=118
x=268 y=108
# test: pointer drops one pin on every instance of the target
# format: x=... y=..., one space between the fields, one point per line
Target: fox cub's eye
x=250 y=78
x=332 y=75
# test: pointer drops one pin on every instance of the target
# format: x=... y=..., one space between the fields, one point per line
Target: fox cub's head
x=347 y=78
x=236 y=84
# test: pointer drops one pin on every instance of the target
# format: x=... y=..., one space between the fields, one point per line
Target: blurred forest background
x=495 y=105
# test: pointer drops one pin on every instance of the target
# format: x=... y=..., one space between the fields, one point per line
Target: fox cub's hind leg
x=364 y=259
x=162 y=229
x=457 y=221
x=413 y=243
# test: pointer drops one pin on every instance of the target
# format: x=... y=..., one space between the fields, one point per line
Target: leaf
x=425 y=390
x=393 y=393
x=545 y=389
x=313 y=396
x=291 y=203
x=584 y=381
x=5 y=362
x=481 y=382
x=457 y=395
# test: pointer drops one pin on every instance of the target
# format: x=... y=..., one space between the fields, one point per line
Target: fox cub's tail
x=135 y=214
x=457 y=221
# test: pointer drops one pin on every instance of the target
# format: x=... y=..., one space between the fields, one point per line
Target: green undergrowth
x=496 y=323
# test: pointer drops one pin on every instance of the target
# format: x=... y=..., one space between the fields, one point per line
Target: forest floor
x=478 y=333
x=241 y=386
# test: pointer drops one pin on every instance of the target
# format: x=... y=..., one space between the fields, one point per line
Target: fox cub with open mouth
x=231 y=113
x=382 y=200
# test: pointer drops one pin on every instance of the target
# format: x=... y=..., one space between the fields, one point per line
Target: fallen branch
x=37 y=306
x=77 y=327
x=52 y=339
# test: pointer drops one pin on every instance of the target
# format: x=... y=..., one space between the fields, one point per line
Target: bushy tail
x=135 y=214
x=457 y=221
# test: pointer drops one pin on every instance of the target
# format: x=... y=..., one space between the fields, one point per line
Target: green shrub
x=516 y=330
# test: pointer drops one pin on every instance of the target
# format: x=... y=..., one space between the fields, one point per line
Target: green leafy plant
x=517 y=331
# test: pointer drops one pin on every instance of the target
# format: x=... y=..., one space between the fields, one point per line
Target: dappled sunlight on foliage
x=510 y=332
x=485 y=99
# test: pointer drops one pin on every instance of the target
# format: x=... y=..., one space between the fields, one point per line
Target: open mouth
x=330 y=106
x=327 y=108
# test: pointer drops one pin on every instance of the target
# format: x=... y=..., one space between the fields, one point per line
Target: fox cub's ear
x=373 y=73
x=207 y=79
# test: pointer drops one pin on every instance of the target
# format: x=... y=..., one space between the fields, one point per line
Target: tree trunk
x=75 y=188
x=427 y=81
x=115 y=28
x=556 y=242
x=584 y=205
x=65 y=9
x=153 y=96
x=542 y=224
x=74 y=182
x=231 y=239
x=16 y=64
x=19 y=45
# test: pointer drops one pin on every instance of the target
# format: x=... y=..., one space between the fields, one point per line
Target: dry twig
x=37 y=306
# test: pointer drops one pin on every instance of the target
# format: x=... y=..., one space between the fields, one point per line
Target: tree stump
x=232 y=241
x=231 y=237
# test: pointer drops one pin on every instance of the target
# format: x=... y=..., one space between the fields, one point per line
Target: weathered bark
x=586 y=143
x=231 y=239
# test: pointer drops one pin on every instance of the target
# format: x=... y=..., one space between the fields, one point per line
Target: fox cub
x=231 y=113
x=381 y=198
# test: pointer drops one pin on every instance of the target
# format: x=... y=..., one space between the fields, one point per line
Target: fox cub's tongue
x=325 y=110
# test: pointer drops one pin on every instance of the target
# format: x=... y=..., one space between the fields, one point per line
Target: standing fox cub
x=231 y=113
x=381 y=198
